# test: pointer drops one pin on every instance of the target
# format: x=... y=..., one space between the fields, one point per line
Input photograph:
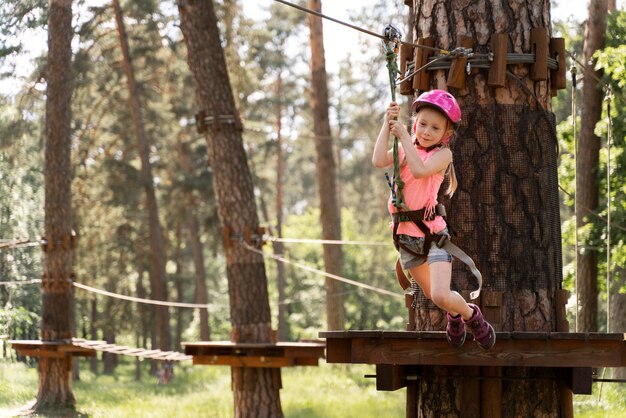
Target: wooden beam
x=497 y=69
x=244 y=361
x=515 y=349
x=390 y=377
x=457 y=74
x=539 y=42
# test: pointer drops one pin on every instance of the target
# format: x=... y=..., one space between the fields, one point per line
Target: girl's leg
x=421 y=274
x=442 y=296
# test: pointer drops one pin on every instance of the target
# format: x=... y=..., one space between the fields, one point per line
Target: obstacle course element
x=402 y=358
x=264 y=355
x=548 y=57
x=86 y=348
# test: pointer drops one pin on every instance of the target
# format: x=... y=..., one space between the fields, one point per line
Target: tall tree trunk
x=588 y=156
x=157 y=250
x=57 y=317
x=180 y=287
x=325 y=167
x=278 y=246
x=612 y=5
x=506 y=209
x=93 y=332
x=193 y=226
x=255 y=390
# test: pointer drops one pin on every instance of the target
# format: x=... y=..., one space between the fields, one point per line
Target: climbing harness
x=440 y=240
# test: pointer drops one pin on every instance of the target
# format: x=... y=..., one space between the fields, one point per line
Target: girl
x=425 y=160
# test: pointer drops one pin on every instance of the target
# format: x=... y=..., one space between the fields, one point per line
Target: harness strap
x=442 y=241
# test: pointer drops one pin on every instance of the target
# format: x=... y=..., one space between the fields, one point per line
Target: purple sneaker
x=455 y=330
x=482 y=330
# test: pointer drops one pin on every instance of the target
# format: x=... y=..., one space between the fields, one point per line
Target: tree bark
x=57 y=317
x=325 y=170
x=505 y=211
x=158 y=277
x=255 y=390
x=587 y=160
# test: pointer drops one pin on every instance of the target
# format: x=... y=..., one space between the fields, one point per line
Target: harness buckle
x=442 y=241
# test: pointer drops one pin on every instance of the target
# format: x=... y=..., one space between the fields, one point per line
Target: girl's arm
x=382 y=156
x=419 y=168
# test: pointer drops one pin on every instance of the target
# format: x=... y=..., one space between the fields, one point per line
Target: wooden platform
x=50 y=349
x=272 y=355
x=512 y=349
x=87 y=348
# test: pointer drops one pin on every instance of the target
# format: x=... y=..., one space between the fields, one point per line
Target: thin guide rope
x=323 y=273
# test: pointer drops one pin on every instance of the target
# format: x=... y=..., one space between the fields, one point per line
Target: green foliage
x=324 y=391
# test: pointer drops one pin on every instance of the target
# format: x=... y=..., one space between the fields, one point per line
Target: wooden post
x=497 y=69
x=406 y=53
x=492 y=305
x=558 y=80
x=456 y=76
x=491 y=392
x=421 y=80
x=539 y=41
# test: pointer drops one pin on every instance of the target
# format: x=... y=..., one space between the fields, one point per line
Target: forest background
x=110 y=214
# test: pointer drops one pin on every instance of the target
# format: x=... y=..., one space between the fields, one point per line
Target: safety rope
x=271 y=238
x=391 y=45
x=576 y=238
x=140 y=300
x=368 y=32
x=609 y=137
x=18 y=242
x=320 y=272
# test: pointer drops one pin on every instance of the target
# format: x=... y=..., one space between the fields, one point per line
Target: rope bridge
x=87 y=348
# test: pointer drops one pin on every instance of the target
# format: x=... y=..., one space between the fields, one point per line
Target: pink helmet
x=442 y=100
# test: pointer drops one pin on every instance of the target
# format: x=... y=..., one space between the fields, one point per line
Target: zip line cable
x=320 y=272
x=323 y=241
x=368 y=32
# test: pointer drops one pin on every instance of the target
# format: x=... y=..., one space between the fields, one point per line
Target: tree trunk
x=278 y=246
x=193 y=226
x=618 y=324
x=180 y=287
x=587 y=159
x=255 y=390
x=57 y=316
x=325 y=168
x=505 y=211
x=157 y=251
x=93 y=332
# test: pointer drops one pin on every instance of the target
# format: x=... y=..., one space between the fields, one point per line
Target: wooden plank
x=242 y=361
x=421 y=80
x=581 y=380
x=491 y=392
x=521 y=350
x=406 y=54
x=339 y=351
x=558 y=79
x=539 y=42
x=457 y=74
x=470 y=393
x=390 y=377
x=40 y=353
x=497 y=69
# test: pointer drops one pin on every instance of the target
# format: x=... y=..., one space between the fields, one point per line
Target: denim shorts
x=416 y=244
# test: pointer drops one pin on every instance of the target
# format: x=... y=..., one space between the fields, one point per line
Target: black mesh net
x=505 y=211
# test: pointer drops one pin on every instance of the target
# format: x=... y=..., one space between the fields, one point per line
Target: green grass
x=325 y=391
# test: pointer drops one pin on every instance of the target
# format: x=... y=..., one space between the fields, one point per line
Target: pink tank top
x=419 y=193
